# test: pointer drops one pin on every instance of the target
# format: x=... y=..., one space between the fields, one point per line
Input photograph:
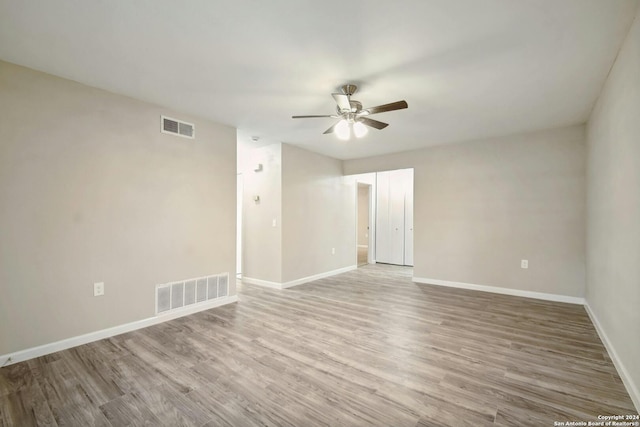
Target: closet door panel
x=408 y=220
x=396 y=216
x=383 y=237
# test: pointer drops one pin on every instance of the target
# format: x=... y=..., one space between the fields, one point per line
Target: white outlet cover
x=524 y=263
x=98 y=289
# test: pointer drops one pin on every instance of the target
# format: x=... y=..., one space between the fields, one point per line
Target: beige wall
x=90 y=191
x=261 y=241
x=613 y=226
x=314 y=209
x=318 y=214
x=482 y=206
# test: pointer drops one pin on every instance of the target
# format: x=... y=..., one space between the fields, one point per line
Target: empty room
x=294 y=213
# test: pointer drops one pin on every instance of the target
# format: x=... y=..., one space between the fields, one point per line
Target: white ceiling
x=468 y=68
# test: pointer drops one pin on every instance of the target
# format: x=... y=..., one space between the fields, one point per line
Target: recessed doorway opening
x=364 y=223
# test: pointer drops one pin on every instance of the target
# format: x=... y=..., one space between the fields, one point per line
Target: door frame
x=239 y=223
x=371 y=255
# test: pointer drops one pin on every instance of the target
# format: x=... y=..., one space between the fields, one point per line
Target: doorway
x=239 y=192
x=364 y=223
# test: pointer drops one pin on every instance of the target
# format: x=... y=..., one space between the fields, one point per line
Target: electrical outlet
x=524 y=263
x=333 y=251
x=98 y=289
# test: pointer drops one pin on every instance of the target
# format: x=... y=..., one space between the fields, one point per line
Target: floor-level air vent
x=177 y=127
x=190 y=292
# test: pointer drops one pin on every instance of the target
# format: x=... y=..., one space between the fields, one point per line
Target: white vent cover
x=177 y=127
x=175 y=295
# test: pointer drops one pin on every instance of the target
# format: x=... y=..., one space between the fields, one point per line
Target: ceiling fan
x=353 y=118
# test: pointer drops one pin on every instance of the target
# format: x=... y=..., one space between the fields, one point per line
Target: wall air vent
x=177 y=127
x=191 y=292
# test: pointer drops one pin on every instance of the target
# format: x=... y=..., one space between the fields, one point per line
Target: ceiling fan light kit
x=342 y=130
x=353 y=118
x=359 y=129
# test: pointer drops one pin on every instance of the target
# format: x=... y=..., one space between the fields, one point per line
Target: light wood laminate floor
x=363 y=253
x=368 y=347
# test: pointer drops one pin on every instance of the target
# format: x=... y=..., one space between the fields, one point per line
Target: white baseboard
x=260 y=282
x=285 y=285
x=42 y=350
x=318 y=276
x=504 y=291
x=632 y=388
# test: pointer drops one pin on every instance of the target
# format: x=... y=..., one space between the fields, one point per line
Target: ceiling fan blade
x=310 y=117
x=331 y=129
x=399 y=105
x=342 y=100
x=373 y=123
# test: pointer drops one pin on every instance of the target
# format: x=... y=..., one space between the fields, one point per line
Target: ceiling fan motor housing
x=356 y=107
x=349 y=89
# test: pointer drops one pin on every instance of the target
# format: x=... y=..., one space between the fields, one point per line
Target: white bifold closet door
x=394 y=217
x=383 y=215
x=408 y=220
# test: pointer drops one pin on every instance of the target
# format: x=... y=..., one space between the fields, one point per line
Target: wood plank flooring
x=368 y=347
x=363 y=253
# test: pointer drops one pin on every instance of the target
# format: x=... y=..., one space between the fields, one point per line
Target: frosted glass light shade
x=342 y=130
x=359 y=129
